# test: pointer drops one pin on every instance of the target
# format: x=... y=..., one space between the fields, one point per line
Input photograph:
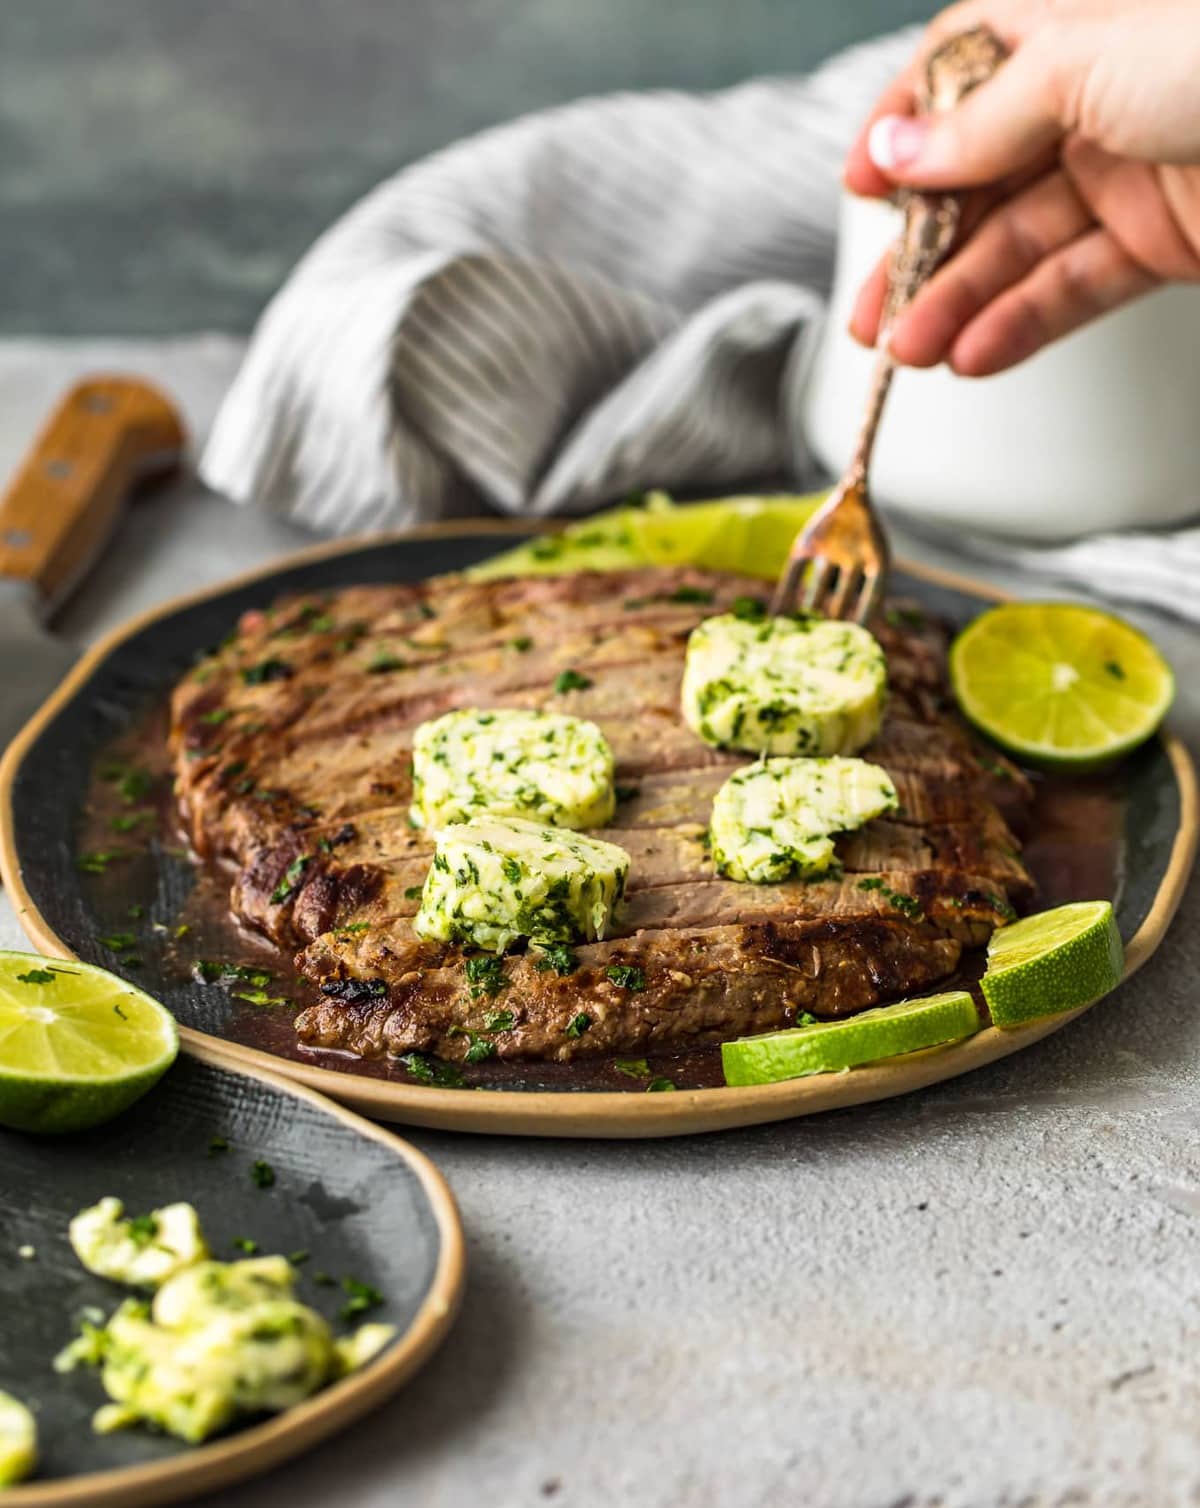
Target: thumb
x=1000 y=128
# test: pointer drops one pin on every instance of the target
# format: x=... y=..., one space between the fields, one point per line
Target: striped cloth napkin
x=619 y=293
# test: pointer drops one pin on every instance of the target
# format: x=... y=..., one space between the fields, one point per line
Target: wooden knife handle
x=60 y=508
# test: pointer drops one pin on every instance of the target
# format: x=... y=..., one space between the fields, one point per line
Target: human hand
x=1085 y=150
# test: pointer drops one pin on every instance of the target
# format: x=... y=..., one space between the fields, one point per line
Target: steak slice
x=674 y=861
x=695 y=986
x=962 y=907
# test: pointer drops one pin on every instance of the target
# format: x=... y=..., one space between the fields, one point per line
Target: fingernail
x=896 y=140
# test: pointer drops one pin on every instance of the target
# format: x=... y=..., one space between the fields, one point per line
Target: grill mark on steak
x=273 y=760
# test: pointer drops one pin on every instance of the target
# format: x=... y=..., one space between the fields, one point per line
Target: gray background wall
x=164 y=162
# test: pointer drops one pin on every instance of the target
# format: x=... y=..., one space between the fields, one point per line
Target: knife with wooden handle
x=107 y=435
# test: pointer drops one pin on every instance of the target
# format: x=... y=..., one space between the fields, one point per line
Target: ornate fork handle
x=931 y=221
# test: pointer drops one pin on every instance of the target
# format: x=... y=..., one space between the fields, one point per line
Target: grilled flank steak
x=292 y=748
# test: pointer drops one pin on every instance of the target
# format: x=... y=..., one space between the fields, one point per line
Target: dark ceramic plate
x=363 y=1204
x=45 y=776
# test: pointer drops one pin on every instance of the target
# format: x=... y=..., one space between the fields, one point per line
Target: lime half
x=18 y=1441
x=1053 y=962
x=77 y=1044
x=830 y=1046
x=1059 y=685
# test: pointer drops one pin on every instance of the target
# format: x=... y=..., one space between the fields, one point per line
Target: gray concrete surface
x=984 y=1296
x=163 y=163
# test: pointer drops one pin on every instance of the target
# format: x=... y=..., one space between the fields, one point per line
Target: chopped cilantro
x=907 y=905
x=690 y=594
x=571 y=680
x=119 y=942
x=217 y=716
x=577 y=1025
x=659 y=1086
x=291 y=879
x=805 y=1018
x=125 y=822
x=904 y=617
x=382 y=662
x=143 y=1229
x=522 y=643
x=627 y=976
x=432 y=1071
x=485 y=975
x=204 y=971
x=245 y=1244
x=557 y=956
x=134 y=785
x=262 y=1174
x=136 y=911
x=259 y=997
x=36 y=976
x=413 y=892
x=362 y=1297
x=632 y=1068
x=298 y=1258
x=627 y=792
x=217 y=1145
x=498 y=1021
x=324 y=1279
x=480 y=1049
x=748 y=609
x=98 y=861
x=1114 y=670
x=266 y=670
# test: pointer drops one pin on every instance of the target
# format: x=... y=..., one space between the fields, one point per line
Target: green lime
x=830 y=1046
x=1060 y=685
x=1052 y=962
x=18 y=1441
x=748 y=534
x=77 y=1044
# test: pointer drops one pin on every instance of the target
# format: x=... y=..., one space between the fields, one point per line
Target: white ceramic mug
x=1100 y=431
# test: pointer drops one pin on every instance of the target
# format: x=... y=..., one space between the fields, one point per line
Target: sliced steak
x=693 y=986
x=292 y=746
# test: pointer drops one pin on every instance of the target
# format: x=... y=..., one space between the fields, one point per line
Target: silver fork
x=843 y=548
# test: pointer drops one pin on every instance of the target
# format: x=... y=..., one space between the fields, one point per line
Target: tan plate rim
x=591 y=1113
x=261 y=1446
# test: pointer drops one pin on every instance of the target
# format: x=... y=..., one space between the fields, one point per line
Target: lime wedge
x=751 y=535
x=77 y=1044
x=18 y=1441
x=1059 y=685
x=748 y=535
x=830 y=1046
x=1052 y=962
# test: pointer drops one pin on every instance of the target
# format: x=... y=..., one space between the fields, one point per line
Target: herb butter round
x=777 y=817
x=498 y=879
x=545 y=766
x=796 y=685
